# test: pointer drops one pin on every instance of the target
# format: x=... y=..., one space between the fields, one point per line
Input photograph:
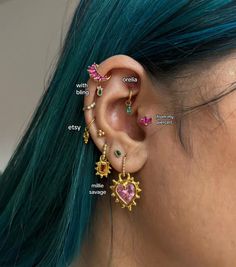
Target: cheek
x=192 y=200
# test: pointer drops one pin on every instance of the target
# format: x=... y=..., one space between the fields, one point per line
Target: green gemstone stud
x=118 y=153
x=99 y=90
x=129 y=109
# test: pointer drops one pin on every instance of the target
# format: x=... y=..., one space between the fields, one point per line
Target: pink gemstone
x=126 y=193
x=145 y=121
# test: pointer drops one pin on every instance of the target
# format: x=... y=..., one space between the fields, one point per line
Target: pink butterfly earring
x=145 y=121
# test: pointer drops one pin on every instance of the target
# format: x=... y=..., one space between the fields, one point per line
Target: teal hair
x=45 y=207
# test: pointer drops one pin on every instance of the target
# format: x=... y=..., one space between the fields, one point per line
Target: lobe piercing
x=125 y=189
x=145 y=121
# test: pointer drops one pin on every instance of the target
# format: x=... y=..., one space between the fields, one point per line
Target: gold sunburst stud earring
x=103 y=165
x=125 y=190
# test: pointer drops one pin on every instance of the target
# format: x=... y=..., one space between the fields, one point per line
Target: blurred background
x=31 y=32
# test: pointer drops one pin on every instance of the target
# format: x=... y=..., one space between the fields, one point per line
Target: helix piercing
x=95 y=75
x=89 y=106
x=86 y=134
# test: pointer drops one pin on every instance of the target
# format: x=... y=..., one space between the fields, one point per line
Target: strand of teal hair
x=45 y=208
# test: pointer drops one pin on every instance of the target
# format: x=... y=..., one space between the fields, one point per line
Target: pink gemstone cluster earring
x=96 y=76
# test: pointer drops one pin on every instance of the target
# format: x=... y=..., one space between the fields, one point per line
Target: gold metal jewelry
x=100 y=133
x=125 y=190
x=86 y=134
x=103 y=165
x=128 y=103
x=89 y=106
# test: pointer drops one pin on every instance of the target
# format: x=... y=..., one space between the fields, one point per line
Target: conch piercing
x=125 y=190
x=89 y=106
x=86 y=132
x=128 y=103
x=100 y=133
x=117 y=153
x=145 y=121
x=95 y=75
x=103 y=165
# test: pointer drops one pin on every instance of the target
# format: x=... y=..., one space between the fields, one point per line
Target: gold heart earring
x=125 y=190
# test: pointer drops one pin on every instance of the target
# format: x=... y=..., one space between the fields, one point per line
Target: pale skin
x=186 y=215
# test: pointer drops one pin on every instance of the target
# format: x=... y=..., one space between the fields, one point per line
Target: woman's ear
x=119 y=105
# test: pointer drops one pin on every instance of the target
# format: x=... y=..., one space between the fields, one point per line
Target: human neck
x=119 y=239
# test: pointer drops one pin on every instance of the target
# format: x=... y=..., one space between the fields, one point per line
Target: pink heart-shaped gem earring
x=125 y=189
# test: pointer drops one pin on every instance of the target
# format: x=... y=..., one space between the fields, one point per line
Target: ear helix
x=125 y=189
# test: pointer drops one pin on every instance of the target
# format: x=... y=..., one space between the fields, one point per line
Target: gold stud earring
x=100 y=133
x=103 y=165
x=89 y=106
x=86 y=134
x=125 y=190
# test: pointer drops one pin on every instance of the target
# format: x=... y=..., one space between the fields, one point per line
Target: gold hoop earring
x=103 y=165
x=86 y=134
x=125 y=190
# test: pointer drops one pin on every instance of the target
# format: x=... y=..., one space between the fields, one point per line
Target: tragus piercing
x=145 y=121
